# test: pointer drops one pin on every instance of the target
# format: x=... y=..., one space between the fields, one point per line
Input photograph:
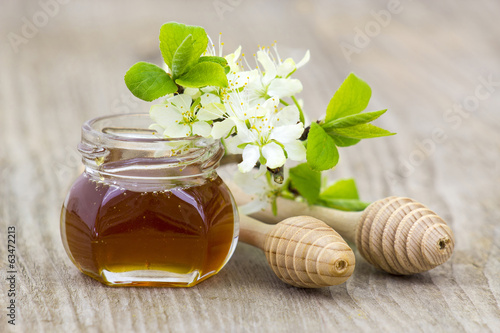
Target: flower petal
x=221 y=128
x=254 y=206
x=241 y=79
x=284 y=87
x=289 y=115
x=232 y=58
x=211 y=112
x=208 y=98
x=271 y=103
x=250 y=155
x=176 y=130
x=269 y=67
x=232 y=144
x=201 y=128
x=157 y=128
x=193 y=92
x=245 y=134
x=288 y=133
x=274 y=155
x=209 y=89
x=286 y=67
x=251 y=184
x=164 y=114
x=181 y=102
x=295 y=150
x=304 y=60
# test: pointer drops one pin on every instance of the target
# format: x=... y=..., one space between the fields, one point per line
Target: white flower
x=242 y=79
x=193 y=92
x=269 y=134
x=210 y=106
x=179 y=118
x=275 y=81
x=233 y=61
x=236 y=110
x=262 y=192
x=232 y=58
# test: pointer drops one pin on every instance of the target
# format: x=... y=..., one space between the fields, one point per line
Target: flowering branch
x=208 y=94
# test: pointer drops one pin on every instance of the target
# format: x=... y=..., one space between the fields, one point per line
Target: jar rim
x=90 y=127
x=131 y=131
x=124 y=144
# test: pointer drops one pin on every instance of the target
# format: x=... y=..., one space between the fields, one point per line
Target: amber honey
x=175 y=236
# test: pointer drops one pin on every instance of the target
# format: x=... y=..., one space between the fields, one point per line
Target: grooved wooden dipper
x=397 y=235
x=301 y=250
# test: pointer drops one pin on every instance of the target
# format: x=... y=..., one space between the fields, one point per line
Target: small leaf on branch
x=342 y=195
x=182 y=58
x=353 y=120
x=341 y=141
x=342 y=189
x=148 y=81
x=350 y=205
x=172 y=35
x=218 y=60
x=203 y=74
x=306 y=181
x=363 y=131
x=321 y=154
x=351 y=98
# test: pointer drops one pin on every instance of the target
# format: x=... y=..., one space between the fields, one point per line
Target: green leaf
x=342 y=189
x=363 y=131
x=306 y=181
x=341 y=141
x=148 y=81
x=218 y=60
x=352 y=97
x=182 y=57
x=172 y=35
x=321 y=154
x=203 y=74
x=353 y=120
x=342 y=195
x=343 y=204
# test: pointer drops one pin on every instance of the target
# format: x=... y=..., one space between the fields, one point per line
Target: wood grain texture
x=301 y=250
x=397 y=235
x=406 y=232
x=434 y=65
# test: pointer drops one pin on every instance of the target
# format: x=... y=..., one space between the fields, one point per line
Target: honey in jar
x=147 y=211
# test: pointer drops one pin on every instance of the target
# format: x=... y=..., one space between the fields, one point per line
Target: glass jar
x=148 y=211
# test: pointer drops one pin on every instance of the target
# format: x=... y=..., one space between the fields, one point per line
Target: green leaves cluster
x=344 y=124
x=341 y=195
x=182 y=47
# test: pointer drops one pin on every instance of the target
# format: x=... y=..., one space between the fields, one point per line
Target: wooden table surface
x=434 y=65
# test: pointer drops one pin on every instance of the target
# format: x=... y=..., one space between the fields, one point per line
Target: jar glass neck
x=123 y=147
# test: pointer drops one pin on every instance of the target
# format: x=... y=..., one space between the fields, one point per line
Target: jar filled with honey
x=148 y=211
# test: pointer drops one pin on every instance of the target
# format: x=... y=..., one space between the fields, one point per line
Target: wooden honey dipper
x=397 y=235
x=301 y=250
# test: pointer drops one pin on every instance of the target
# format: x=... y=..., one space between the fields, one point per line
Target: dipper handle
x=302 y=251
x=398 y=235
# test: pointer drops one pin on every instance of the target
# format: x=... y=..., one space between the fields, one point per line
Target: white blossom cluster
x=250 y=115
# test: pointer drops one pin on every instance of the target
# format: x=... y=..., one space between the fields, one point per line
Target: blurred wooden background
x=434 y=65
